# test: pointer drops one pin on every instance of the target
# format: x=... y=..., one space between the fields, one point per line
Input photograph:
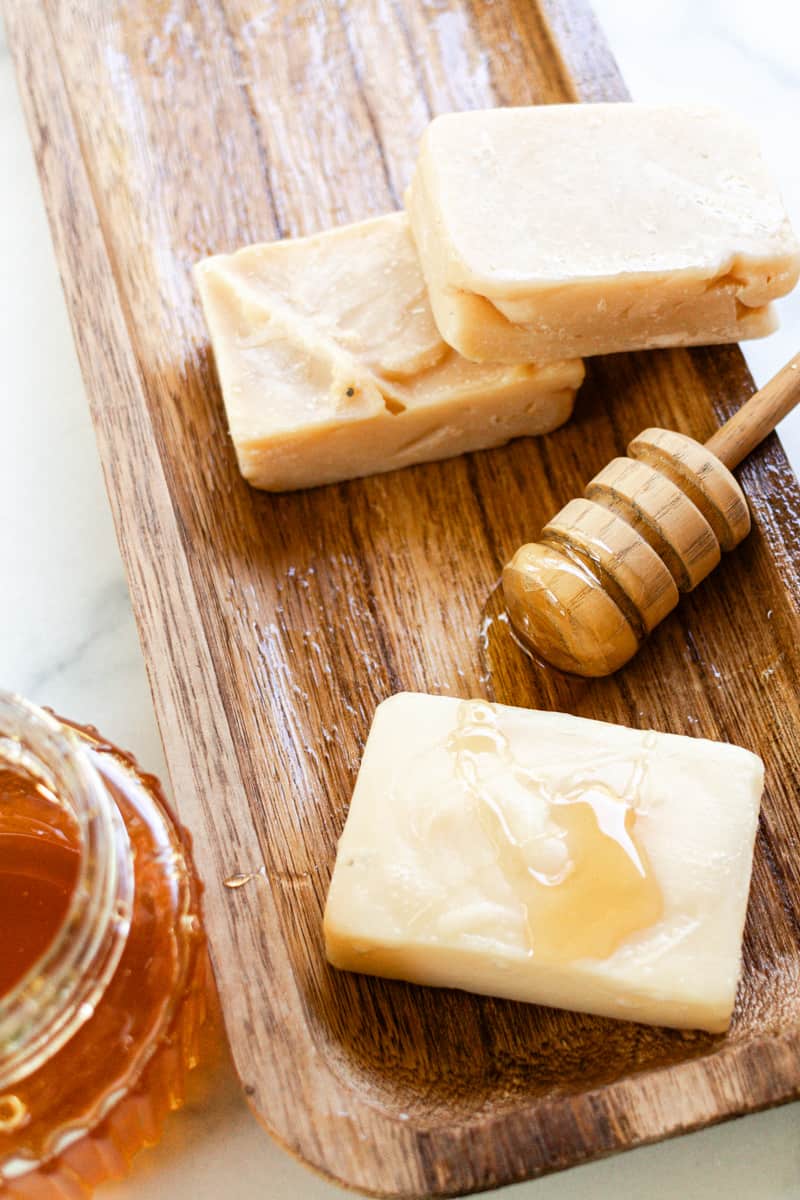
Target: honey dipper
x=610 y=566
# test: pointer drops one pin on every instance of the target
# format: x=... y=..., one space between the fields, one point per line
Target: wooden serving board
x=273 y=625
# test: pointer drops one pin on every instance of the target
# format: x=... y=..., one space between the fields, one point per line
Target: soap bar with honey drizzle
x=547 y=858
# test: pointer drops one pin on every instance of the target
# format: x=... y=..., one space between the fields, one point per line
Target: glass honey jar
x=102 y=957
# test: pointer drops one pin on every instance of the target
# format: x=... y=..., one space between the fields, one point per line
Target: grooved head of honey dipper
x=701 y=476
x=562 y=612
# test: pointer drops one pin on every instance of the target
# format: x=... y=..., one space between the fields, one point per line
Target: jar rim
x=59 y=991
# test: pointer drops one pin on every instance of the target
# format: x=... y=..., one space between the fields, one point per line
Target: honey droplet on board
x=240 y=878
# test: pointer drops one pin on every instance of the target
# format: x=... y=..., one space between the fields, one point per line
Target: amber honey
x=587 y=884
x=38 y=870
x=102 y=963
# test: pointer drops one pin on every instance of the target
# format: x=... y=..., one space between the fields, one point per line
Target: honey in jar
x=102 y=958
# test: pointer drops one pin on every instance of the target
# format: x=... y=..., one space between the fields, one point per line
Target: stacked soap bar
x=587 y=229
x=540 y=235
x=332 y=367
x=547 y=858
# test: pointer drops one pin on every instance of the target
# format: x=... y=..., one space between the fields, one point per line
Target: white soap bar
x=547 y=858
x=331 y=365
x=585 y=229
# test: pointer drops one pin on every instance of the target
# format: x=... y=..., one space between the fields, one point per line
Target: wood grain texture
x=701 y=476
x=758 y=417
x=272 y=625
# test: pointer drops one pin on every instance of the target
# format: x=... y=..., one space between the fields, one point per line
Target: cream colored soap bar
x=585 y=229
x=331 y=365
x=547 y=858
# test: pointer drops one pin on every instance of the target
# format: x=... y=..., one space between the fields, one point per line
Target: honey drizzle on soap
x=585 y=884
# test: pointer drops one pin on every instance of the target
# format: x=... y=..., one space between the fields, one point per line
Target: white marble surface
x=69 y=639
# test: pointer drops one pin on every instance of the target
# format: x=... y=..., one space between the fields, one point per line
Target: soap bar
x=331 y=365
x=547 y=858
x=582 y=229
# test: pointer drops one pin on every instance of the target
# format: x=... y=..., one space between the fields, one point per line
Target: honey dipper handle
x=758 y=417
